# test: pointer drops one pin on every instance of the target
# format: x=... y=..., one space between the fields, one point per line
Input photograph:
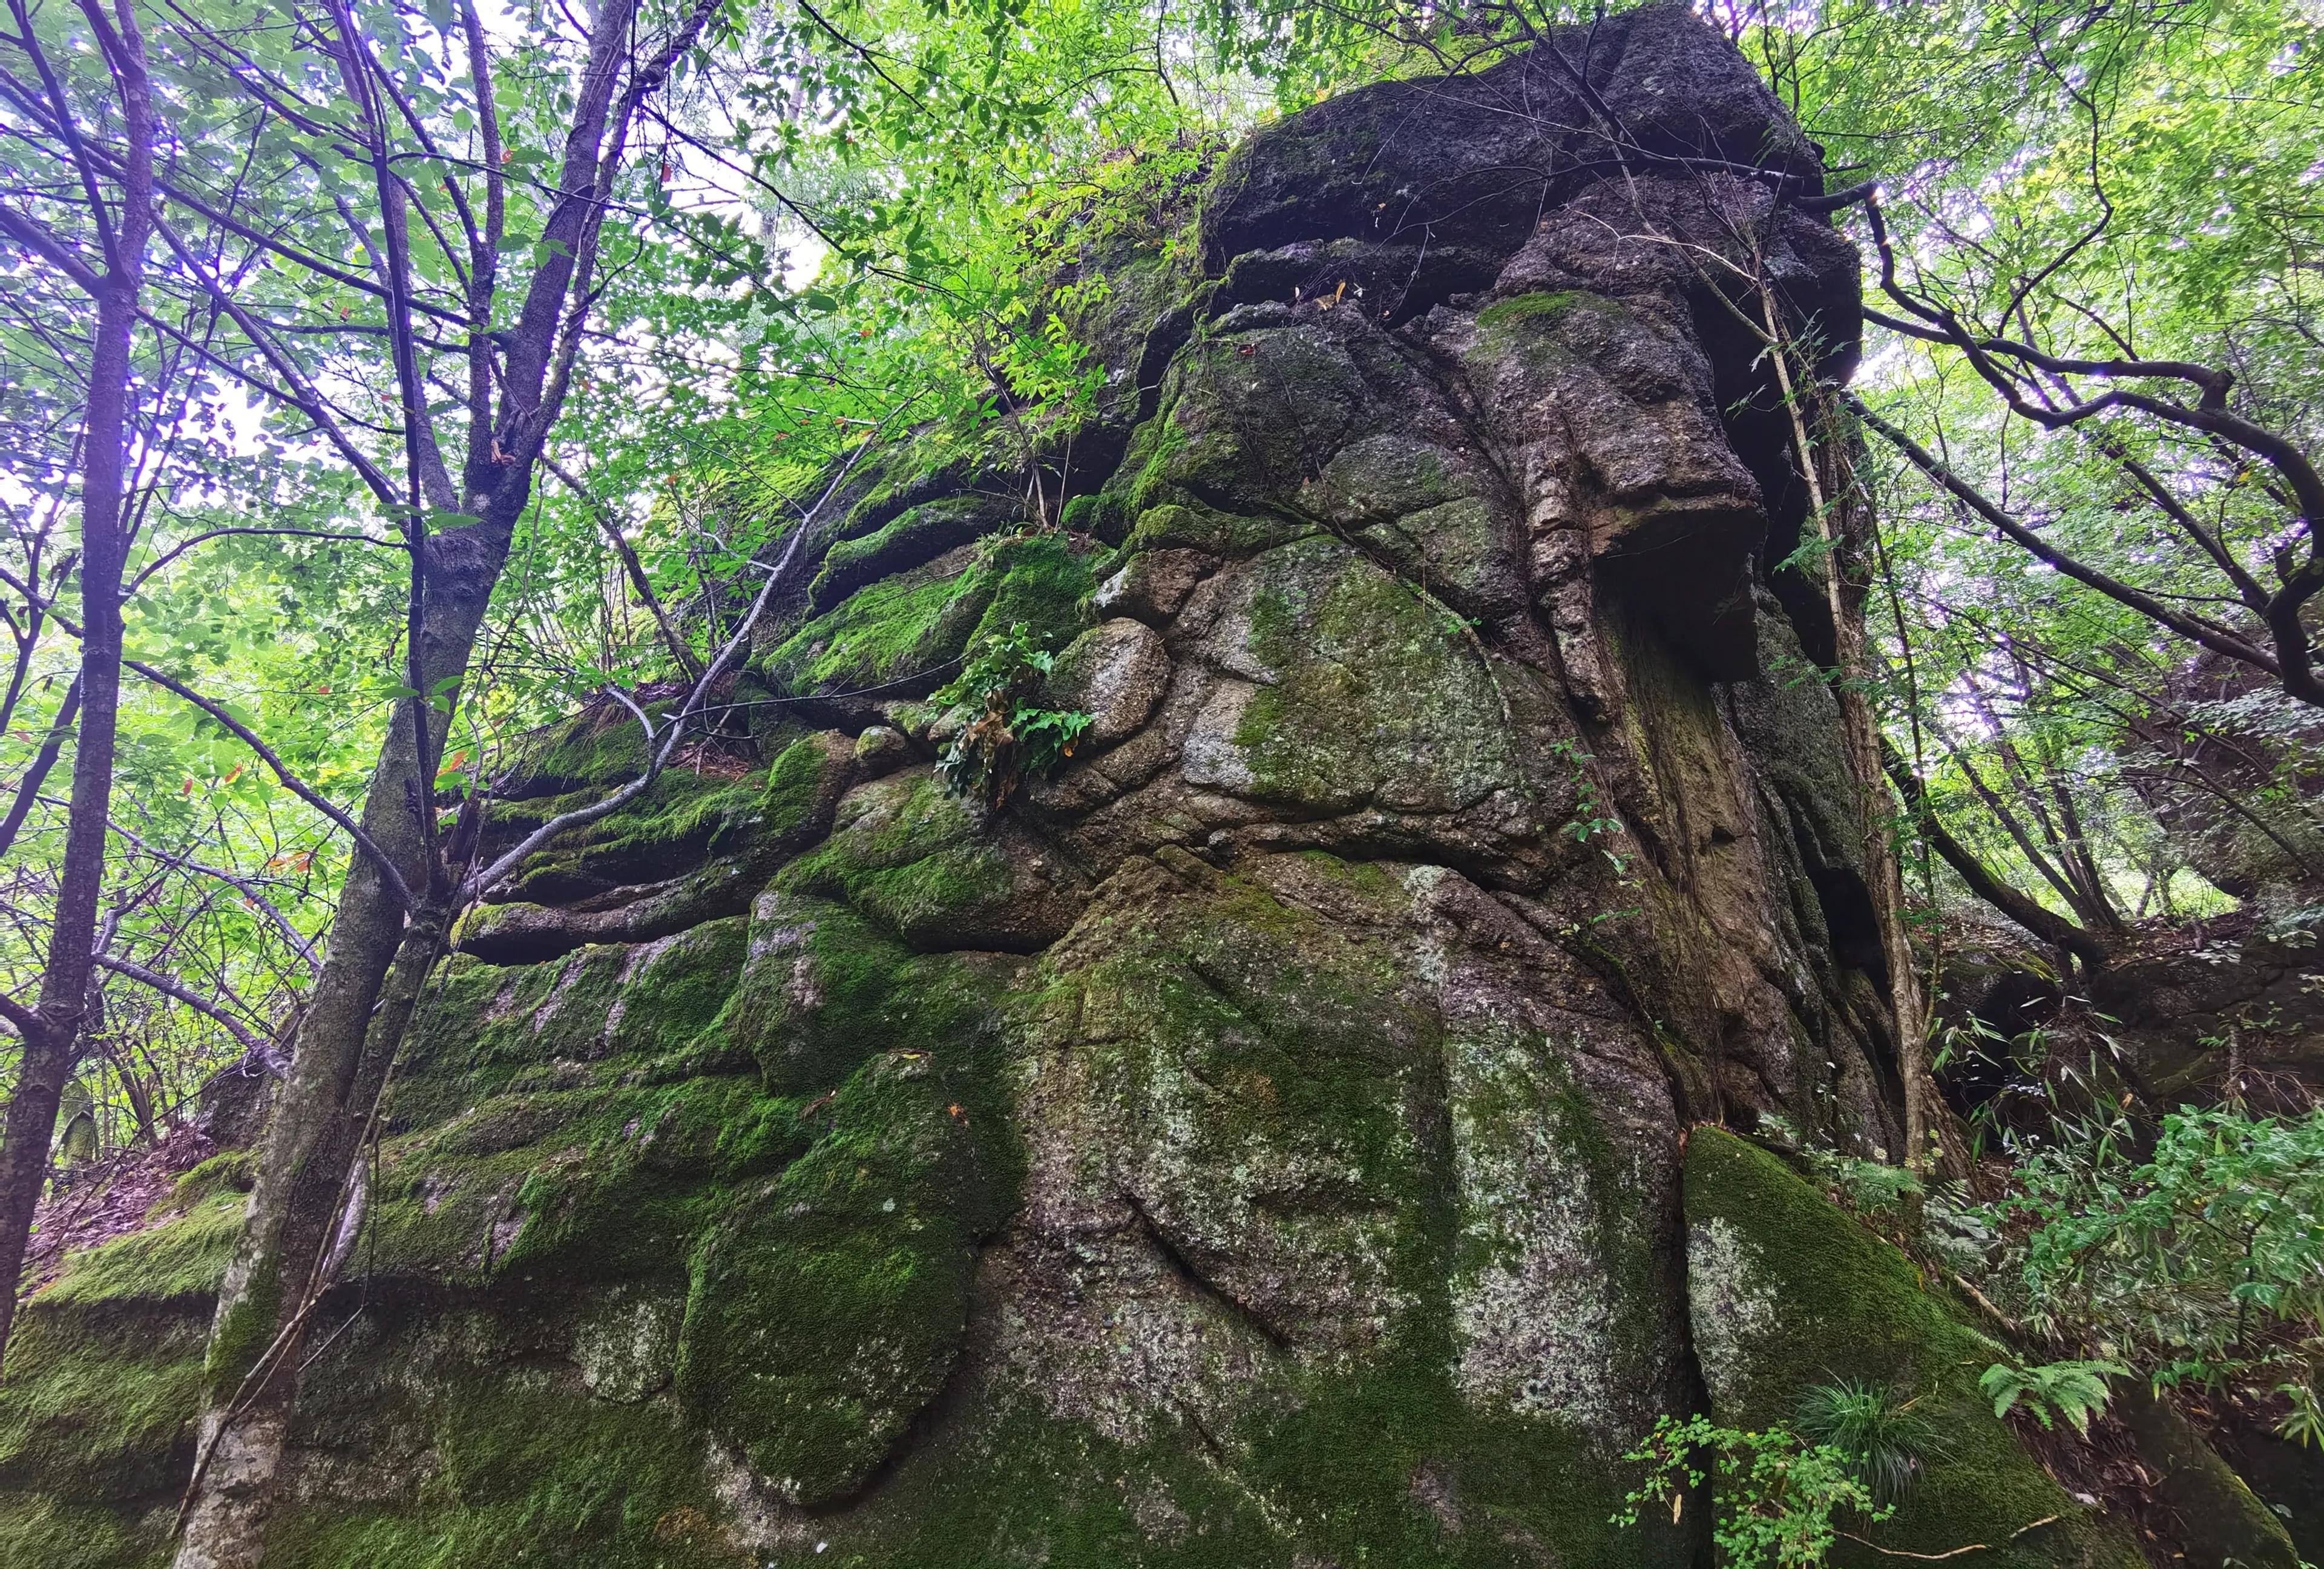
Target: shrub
x=1777 y=1496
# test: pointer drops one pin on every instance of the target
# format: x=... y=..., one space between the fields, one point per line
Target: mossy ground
x=180 y=1260
x=105 y=1376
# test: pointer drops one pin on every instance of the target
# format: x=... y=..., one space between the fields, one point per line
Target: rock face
x=1260 y=1141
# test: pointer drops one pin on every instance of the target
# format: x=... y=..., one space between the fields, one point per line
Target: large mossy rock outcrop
x=1262 y=1141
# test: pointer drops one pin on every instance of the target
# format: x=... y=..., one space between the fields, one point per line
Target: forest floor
x=108 y=1198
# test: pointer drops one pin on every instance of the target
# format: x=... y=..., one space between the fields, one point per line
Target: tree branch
x=2044 y=924
x=631 y=567
x=298 y=945
x=193 y=1000
x=781 y=573
x=183 y=546
x=29 y=789
x=389 y=872
x=2217 y=639
x=36 y=237
x=304 y=397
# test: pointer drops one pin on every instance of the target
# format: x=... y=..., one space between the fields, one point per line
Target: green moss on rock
x=101 y=1397
x=1549 y=303
x=182 y=1259
x=523 y=1466
x=1372 y=694
x=676 y=989
x=911 y=538
x=804 y=784
x=42 y=1530
x=1189 y=524
x=904 y=631
x=1391 y=1465
x=229 y=1170
x=600 y=745
x=894 y=633
x=1788 y=1292
x=824 y=990
x=828 y=1312
x=909 y=855
x=676 y=821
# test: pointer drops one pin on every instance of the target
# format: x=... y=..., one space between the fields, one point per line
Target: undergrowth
x=1006 y=734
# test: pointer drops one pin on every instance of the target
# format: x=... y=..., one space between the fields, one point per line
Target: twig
x=1957 y=1551
x=167 y=987
x=389 y=873
x=1923 y=1557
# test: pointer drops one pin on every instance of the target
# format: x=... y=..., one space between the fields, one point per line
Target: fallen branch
x=1955 y=1552
x=1923 y=1557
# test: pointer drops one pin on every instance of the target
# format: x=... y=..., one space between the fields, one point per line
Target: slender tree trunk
x=362 y=1004
x=2087 y=873
x=1861 y=734
x=305 y=1207
x=1923 y=1110
x=51 y=1036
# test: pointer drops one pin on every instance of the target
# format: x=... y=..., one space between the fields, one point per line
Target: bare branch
x=29 y=788
x=2217 y=639
x=36 y=237
x=259 y=902
x=183 y=546
x=781 y=575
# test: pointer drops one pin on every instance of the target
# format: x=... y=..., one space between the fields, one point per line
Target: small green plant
x=1871 y=1187
x=2303 y=1423
x=1868 y=1188
x=1777 y=1497
x=1006 y=734
x=2075 y=1390
x=1592 y=817
x=1891 y=1442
